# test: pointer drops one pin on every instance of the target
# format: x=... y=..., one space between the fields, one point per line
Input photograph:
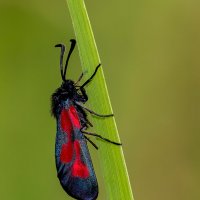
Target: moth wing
x=73 y=161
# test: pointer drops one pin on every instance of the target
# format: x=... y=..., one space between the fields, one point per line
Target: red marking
x=66 y=152
x=74 y=117
x=66 y=123
x=79 y=168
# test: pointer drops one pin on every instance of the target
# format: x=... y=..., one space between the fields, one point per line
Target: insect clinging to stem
x=73 y=162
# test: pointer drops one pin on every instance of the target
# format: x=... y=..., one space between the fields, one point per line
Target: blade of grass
x=111 y=156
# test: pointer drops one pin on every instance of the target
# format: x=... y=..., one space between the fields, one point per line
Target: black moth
x=74 y=166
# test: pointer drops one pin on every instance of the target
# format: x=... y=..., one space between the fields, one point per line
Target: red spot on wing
x=66 y=152
x=74 y=117
x=79 y=169
x=67 y=148
x=69 y=120
x=66 y=123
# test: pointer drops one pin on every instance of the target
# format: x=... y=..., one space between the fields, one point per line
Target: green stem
x=111 y=156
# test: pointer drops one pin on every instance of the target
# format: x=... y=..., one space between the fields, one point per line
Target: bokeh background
x=150 y=52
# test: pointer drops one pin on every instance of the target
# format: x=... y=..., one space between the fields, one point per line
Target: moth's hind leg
x=99 y=136
x=93 y=144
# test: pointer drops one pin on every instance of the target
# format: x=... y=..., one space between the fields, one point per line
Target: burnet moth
x=74 y=166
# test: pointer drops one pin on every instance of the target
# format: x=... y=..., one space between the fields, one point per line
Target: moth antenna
x=62 y=46
x=73 y=43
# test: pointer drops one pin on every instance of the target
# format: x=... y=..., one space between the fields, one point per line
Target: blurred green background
x=150 y=53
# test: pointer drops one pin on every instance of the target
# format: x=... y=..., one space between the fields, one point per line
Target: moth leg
x=81 y=88
x=81 y=76
x=99 y=136
x=93 y=144
x=88 y=122
x=92 y=112
x=86 y=82
x=84 y=94
x=79 y=79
